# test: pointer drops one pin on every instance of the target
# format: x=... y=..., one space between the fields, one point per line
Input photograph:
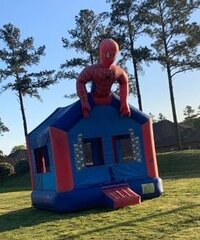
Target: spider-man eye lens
x=108 y=55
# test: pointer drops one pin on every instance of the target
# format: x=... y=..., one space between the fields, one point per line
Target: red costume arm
x=83 y=78
x=123 y=93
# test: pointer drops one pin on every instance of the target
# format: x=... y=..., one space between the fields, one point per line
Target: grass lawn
x=174 y=215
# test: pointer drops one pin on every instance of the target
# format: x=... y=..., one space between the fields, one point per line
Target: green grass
x=15 y=184
x=179 y=164
x=174 y=215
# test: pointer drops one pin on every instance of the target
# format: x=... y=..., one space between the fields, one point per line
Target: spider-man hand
x=85 y=108
x=125 y=110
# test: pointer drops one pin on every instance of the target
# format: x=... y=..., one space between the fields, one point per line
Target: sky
x=47 y=21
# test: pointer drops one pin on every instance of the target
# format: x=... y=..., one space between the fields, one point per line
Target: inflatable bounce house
x=98 y=151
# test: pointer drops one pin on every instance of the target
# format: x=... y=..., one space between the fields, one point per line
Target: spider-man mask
x=108 y=51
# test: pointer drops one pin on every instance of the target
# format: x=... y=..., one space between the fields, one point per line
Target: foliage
x=161 y=117
x=189 y=113
x=175 y=215
x=18 y=147
x=22 y=167
x=6 y=169
x=152 y=117
x=198 y=110
x=175 y=38
x=3 y=128
x=2 y=156
x=1 y=153
x=192 y=117
x=84 y=39
x=18 y=56
x=196 y=123
x=128 y=26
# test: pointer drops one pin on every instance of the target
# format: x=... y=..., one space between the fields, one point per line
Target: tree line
x=173 y=43
x=189 y=114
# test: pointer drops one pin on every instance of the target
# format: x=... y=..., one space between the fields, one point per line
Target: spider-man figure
x=103 y=75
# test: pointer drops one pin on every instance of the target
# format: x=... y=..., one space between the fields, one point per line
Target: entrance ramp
x=118 y=196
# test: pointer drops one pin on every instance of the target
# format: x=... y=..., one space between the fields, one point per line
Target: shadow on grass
x=127 y=223
x=29 y=217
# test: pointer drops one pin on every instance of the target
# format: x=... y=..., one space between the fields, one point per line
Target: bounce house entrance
x=117 y=196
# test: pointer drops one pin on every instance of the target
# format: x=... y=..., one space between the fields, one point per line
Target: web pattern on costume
x=102 y=78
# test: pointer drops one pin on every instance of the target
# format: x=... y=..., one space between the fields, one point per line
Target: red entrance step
x=119 y=196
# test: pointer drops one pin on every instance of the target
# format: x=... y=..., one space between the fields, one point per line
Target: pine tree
x=17 y=57
x=176 y=40
x=84 y=39
x=161 y=117
x=198 y=110
x=3 y=128
x=127 y=21
x=189 y=113
x=152 y=117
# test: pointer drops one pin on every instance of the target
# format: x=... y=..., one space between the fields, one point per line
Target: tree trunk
x=164 y=37
x=136 y=75
x=178 y=139
x=23 y=113
x=134 y=62
x=137 y=85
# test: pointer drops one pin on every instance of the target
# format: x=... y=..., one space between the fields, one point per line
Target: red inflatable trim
x=149 y=149
x=62 y=160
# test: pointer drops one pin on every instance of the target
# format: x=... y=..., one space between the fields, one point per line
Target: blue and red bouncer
x=103 y=160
